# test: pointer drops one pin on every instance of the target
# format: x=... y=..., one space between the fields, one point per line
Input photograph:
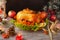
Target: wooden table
x=29 y=35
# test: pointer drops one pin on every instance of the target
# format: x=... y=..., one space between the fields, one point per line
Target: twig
x=50 y=33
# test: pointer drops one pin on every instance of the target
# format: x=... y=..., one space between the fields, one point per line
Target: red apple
x=19 y=37
x=5 y=35
x=11 y=13
x=53 y=18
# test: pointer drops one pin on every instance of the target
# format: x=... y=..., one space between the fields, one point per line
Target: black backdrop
x=18 y=5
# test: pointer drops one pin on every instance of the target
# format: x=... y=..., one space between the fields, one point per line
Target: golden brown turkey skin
x=26 y=17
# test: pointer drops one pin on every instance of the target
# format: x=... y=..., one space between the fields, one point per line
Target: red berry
x=52 y=13
x=53 y=18
x=19 y=37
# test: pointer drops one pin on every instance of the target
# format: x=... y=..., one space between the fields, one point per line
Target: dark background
x=18 y=5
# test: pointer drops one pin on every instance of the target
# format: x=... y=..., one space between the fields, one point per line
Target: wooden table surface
x=29 y=35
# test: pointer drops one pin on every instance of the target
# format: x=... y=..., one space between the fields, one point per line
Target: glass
x=2 y=8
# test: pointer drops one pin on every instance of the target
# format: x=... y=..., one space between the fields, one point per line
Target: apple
x=53 y=17
x=5 y=35
x=11 y=13
x=19 y=37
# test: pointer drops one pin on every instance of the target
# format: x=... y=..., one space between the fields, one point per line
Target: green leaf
x=12 y=21
x=21 y=26
x=35 y=27
x=47 y=21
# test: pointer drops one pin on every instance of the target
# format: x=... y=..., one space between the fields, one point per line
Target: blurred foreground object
x=2 y=8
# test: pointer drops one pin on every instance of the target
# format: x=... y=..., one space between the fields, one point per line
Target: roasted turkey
x=27 y=16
